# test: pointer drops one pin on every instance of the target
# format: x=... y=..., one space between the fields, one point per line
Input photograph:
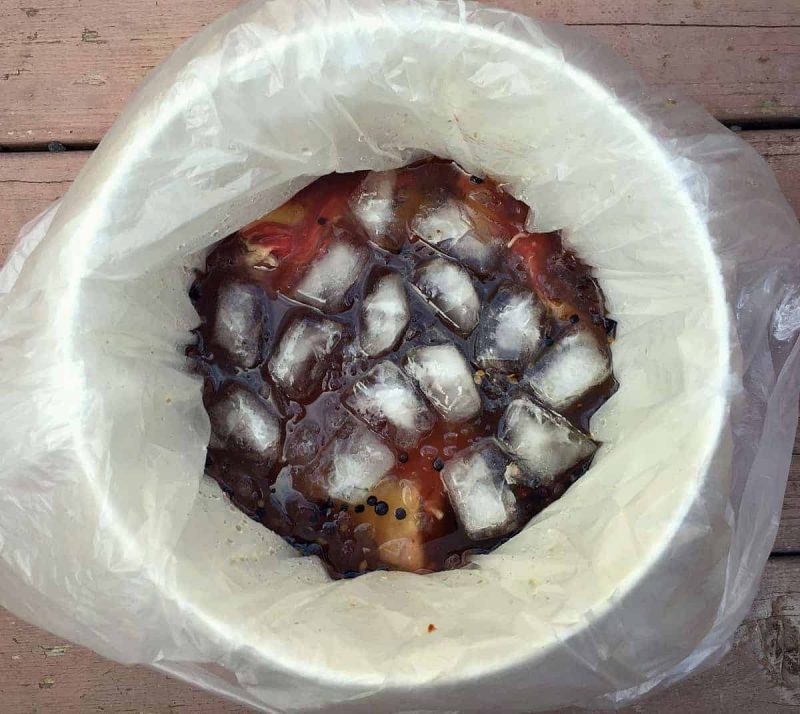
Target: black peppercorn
x=400 y=513
x=359 y=508
x=438 y=464
x=371 y=501
x=381 y=508
x=402 y=457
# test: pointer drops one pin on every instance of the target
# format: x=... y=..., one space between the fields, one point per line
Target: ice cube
x=247 y=424
x=445 y=378
x=373 y=205
x=303 y=443
x=388 y=402
x=304 y=353
x=384 y=315
x=447 y=227
x=578 y=361
x=448 y=287
x=239 y=323
x=326 y=283
x=510 y=332
x=353 y=462
x=544 y=443
x=484 y=503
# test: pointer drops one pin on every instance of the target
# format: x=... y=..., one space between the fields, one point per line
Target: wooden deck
x=66 y=69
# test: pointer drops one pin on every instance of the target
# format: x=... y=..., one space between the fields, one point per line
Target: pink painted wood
x=66 y=69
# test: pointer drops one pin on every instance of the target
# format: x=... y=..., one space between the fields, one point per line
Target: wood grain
x=715 y=13
x=781 y=149
x=43 y=674
x=28 y=183
x=67 y=68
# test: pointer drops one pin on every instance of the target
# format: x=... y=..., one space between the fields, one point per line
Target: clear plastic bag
x=112 y=537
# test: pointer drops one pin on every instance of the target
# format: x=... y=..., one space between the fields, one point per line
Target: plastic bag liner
x=110 y=536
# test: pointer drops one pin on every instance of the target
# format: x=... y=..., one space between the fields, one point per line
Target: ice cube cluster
x=397 y=344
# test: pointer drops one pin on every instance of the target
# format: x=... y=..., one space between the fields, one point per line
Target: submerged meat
x=397 y=373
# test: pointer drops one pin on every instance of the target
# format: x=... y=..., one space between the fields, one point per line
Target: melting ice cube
x=326 y=283
x=246 y=423
x=353 y=462
x=303 y=354
x=449 y=289
x=447 y=227
x=475 y=480
x=445 y=378
x=373 y=205
x=570 y=368
x=303 y=443
x=384 y=315
x=544 y=443
x=387 y=401
x=238 y=323
x=510 y=332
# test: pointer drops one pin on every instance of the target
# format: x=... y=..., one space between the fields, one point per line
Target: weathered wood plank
x=781 y=149
x=67 y=69
x=719 y=13
x=788 y=538
x=28 y=183
x=41 y=673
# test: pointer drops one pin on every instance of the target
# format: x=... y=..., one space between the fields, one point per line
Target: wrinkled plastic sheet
x=110 y=536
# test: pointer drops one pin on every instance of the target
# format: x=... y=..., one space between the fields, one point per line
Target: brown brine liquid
x=397 y=373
